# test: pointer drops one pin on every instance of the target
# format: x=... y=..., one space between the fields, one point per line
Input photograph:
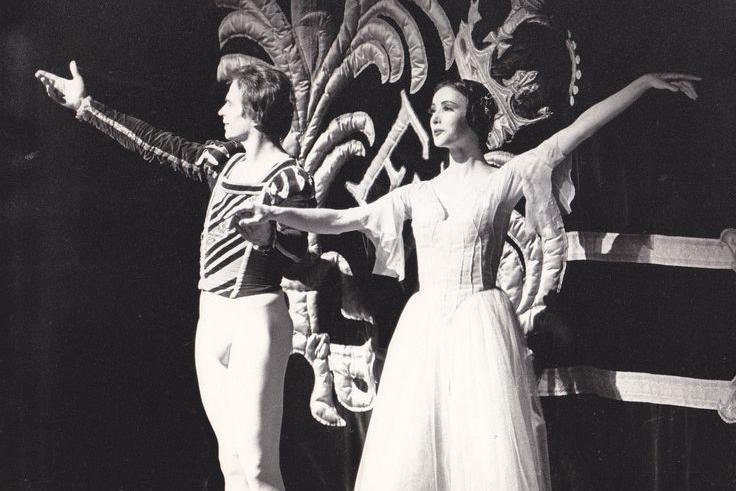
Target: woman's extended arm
x=316 y=220
x=601 y=113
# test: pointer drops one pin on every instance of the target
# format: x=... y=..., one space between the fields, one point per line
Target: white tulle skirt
x=455 y=407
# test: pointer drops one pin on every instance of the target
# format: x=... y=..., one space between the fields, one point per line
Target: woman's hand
x=674 y=82
x=67 y=92
x=260 y=234
x=251 y=221
x=249 y=213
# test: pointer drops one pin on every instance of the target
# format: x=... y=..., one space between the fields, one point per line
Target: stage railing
x=719 y=395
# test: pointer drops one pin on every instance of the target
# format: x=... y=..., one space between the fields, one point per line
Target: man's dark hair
x=267 y=98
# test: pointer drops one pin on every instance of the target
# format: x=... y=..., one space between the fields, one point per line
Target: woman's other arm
x=601 y=113
x=316 y=220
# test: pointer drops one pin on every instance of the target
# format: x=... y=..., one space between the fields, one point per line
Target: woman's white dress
x=456 y=407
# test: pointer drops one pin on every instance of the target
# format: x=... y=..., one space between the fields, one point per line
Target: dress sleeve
x=150 y=142
x=383 y=223
x=542 y=176
x=292 y=187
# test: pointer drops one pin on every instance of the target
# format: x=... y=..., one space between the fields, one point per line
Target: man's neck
x=261 y=150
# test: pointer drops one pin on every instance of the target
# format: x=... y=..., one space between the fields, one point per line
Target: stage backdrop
x=99 y=249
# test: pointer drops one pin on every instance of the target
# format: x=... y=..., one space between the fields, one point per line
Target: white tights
x=241 y=351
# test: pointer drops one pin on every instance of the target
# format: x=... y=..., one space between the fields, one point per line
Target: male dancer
x=243 y=338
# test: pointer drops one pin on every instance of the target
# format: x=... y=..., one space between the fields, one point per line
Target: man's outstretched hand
x=67 y=92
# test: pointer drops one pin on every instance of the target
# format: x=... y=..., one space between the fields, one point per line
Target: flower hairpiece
x=487 y=103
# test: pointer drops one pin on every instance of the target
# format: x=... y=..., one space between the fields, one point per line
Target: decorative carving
x=530 y=269
x=321 y=402
x=475 y=64
x=351 y=363
x=405 y=119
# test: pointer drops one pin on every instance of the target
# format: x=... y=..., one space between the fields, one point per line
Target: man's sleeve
x=292 y=187
x=199 y=161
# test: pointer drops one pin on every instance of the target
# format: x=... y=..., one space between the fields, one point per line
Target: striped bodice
x=230 y=265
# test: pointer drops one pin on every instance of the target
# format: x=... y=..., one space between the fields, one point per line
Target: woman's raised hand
x=251 y=222
x=601 y=113
x=248 y=213
x=674 y=82
x=67 y=92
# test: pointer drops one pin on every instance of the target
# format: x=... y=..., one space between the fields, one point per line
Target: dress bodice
x=459 y=244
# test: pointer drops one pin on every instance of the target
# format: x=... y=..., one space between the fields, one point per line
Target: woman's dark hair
x=267 y=98
x=481 y=107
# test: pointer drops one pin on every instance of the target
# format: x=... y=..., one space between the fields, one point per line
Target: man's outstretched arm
x=196 y=160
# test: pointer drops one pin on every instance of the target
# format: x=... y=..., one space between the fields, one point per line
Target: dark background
x=99 y=251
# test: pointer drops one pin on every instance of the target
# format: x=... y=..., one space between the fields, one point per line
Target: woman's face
x=447 y=121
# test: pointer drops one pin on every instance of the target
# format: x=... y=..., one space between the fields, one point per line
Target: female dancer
x=454 y=409
x=244 y=332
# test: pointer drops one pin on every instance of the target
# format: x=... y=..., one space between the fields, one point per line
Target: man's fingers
x=55 y=94
x=73 y=69
x=46 y=77
x=48 y=84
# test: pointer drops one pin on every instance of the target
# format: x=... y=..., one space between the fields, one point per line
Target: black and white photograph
x=371 y=245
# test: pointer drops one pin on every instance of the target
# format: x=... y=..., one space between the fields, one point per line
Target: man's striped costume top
x=229 y=265
x=232 y=266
